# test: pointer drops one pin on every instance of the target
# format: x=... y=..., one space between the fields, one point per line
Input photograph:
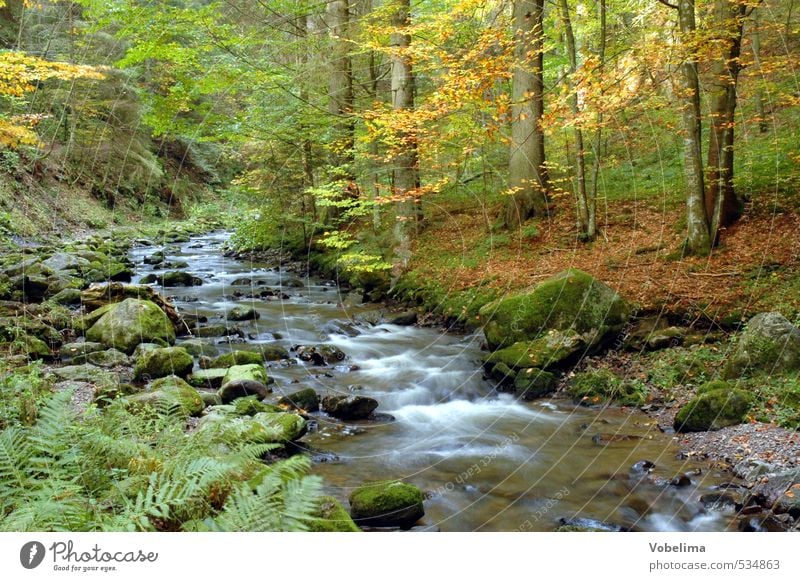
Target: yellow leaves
x=19 y=72
x=13 y=135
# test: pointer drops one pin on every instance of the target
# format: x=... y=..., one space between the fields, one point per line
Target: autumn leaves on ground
x=638 y=252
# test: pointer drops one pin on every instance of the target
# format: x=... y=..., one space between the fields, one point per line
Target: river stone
x=199 y=348
x=88 y=374
x=170 y=391
x=243 y=313
x=572 y=300
x=331 y=517
x=405 y=319
x=550 y=350
x=349 y=407
x=769 y=343
x=237 y=358
x=262 y=428
x=305 y=399
x=180 y=278
x=155 y=258
x=33 y=287
x=131 y=322
x=532 y=383
x=320 y=354
x=386 y=504
x=143 y=348
x=232 y=390
x=32 y=347
x=68 y=296
x=713 y=410
x=218 y=330
x=162 y=362
x=62 y=261
x=108 y=358
x=207 y=378
x=69 y=350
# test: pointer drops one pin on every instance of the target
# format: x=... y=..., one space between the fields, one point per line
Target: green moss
x=170 y=391
x=713 y=410
x=603 y=385
x=532 y=383
x=133 y=321
x=237 y=358
x=572 y=299
x=549 y=350
x=162 y=362
x=331 y=517
x=387 y=503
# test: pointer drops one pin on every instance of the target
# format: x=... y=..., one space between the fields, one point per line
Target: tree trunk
x=341 y=103
x=697 y=238
x=763 y=126
x=591 y=230
x=580 y=162
x=308 y=202
x=527 y=173
x=406 y=170
x=374 y=177
x=722 y=204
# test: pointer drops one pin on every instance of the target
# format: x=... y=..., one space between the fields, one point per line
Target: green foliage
x=22 y=393
x=680 y=366
x=603 y=385
x=114 y=470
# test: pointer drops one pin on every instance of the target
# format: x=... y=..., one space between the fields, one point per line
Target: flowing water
x=485 y=460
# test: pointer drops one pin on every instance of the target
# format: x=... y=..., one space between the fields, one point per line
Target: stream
x=485 y=460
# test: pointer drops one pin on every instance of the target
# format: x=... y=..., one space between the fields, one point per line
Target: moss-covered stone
x=70 y=350
x=87 y=373
x=243 y=381
x=251 y=405
x=714 y=410
x=207 y=378
x=387 y=504
x=162 y=362
x=243 y=313
x=170 y=391
x=769 y=343
x=131 y=322
x=237 y=358
x=199 y=348
x=601 y=385
x=532 y=383
x=331 y=517
x=304 y=399
x=108 y=358
x=32 y=347
x=262 y=428
x=570 y=300
x=553 y=348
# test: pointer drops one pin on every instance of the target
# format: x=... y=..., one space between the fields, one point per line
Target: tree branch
x=665 y=3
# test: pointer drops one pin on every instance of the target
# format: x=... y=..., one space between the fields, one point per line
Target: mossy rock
x=87 y=373
x=131 y=322
x=389 y=503
x=572 y=299
x=262 y=428
x=236 y=358
x=244 y=381
x=714 y=385
x=162 y=362
x=534 y=383
x=199 y=348
x=304 y=399
x=550 y=350
x=331 y=517
x=713 y=410
x=32 y=347
x=71 y=350
x=107 y=358
x=170 y=391
x=251 y=405
x=602 y=385
x=243 y=313
x=769 y=344
x=67 y=296
x=207 y=378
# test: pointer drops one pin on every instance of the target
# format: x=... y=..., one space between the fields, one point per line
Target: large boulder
x=237 y=358
x=713 y=410
x=170 y=391
x=131 y=322
x=162 y=362
x=769 y=343
x=551 y=349
x=387 y=504
x=243 y=381
x=571 y=300
x=349 y=407
x=61 y=261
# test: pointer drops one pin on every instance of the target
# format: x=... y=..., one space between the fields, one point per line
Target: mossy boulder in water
x=262 y=428
x=237 y=358
x=331 y=517
x=305 y=399
x=349 y=407
x=713 y=410
x=388 y=503
x=551 y=349
x=133 y=321
x=162 y=362
x=243 y=313
x=769 y=343
x=532 y=383
x=572 y=300
x=243 y=381
x=170 y=391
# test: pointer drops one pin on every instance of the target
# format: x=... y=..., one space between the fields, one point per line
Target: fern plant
x=113 y=469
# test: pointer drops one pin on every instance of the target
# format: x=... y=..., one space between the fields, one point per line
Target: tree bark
x=697 y=236
x=341 y=100
x=722 y=204
x=406 y=168
x=580 y=161
x=528 y=177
